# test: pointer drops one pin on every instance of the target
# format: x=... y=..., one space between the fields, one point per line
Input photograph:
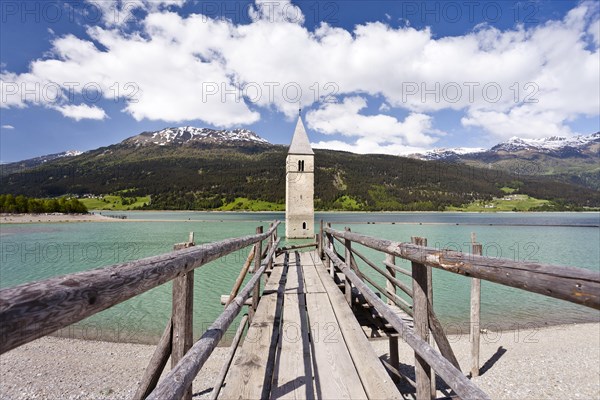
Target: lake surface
x=32 y=252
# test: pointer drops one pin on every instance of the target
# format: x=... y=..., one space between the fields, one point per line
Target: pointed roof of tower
x=300 y=143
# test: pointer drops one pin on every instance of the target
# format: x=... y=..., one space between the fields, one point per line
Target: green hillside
x=252 y=177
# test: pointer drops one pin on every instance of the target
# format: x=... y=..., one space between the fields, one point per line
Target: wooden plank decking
x=305 y=342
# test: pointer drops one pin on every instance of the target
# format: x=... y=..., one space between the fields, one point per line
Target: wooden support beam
x=401 y=303
x=172 y=387
x=421 y=323
x=389 y=284
x=447 y=372
x=438 y=334
x=257 y=261
x=393 y=340
x=232 y=349
x=241 y=276
x=296 y=247
x=474 y=331
x=390 y=277
x=577 y=285
x=394 y=359
x=225 y=300
x=270 y=243
x=348 y=257
x=156 y=365
x=329 y=246
x=321 y=254
x=183 y=301
x=398 y=269
x=70 y=298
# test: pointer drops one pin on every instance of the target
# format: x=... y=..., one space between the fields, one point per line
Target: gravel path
x=549 y=363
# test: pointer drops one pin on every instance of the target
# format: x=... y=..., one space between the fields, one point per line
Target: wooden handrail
x=35 y=309
x=181 y=377
x=577 y=285
x=381 y=271
x=450 y=374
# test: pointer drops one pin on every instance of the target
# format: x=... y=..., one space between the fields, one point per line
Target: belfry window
x=301 y=165
x=304 y=225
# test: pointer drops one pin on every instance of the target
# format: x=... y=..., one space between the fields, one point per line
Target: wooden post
x=431 y=313
x=183 y=296
x=391 y=288
x=329 y=244
x=394 y=359
x=421 y=323
x=318 y=243
x=389 y=285
x=348 y=257
x=257 y=261
x=270 y=245
x=182 y=314
x=474 y=331
x=156 y=365
x=321 y=253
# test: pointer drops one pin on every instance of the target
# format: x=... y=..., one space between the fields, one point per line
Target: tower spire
x=300 y=143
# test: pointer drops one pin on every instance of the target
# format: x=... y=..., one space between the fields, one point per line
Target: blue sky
x=371 y=76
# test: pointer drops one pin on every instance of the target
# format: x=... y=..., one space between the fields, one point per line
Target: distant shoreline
x=350 y=212
x=97 y=216
x=53 y=218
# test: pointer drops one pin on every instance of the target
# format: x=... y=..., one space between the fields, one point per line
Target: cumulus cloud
x=521 y=81
x=276 y=11
x=117 y=13
x=377 y=133
x=82 y=111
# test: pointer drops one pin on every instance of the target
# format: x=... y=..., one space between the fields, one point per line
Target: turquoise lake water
x=32 y=252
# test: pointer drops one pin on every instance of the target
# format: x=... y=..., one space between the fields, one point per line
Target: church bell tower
x=300 y=186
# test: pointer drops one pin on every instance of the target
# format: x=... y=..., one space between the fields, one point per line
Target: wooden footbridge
x=311 y=312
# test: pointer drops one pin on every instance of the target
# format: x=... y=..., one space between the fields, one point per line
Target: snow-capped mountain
x=554 y=145
x=9 y=168
x=549 y=144
x=69 y=153
x=184 y=134
x=447 y=153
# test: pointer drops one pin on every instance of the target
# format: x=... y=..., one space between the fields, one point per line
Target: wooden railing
x=36 y=309
x=577 y=285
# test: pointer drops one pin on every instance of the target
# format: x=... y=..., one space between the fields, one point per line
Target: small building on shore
x=300 y=186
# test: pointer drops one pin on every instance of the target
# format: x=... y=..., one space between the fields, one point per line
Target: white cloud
x=115 y=13
x=276 y=11
x=525 y=122
x=177 y=62
x=82 y=111
x=378 y=133
x=367 y=146
x=8 y=127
